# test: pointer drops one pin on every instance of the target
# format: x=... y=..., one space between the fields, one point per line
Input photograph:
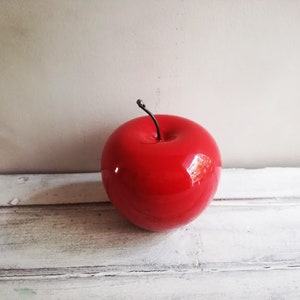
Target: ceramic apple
x=160 y=172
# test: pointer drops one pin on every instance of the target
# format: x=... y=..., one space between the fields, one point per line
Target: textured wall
x=70 y=72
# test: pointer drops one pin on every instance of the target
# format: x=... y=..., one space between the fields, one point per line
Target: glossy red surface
x=160 y=185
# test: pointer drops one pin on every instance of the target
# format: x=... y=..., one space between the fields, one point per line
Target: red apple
x=160 y=177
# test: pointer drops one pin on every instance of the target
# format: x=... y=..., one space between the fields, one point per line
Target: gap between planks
x=209 y=286
x=112 y=271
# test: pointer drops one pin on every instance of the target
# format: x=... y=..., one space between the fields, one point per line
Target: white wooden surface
x=246 y=245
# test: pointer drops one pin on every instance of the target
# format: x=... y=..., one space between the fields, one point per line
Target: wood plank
x=28 y=189
x=87 y=187
x=259 y=183
x=225 y=236
x=233 y=285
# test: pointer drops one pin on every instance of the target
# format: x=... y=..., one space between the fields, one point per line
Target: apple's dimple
x=170 y=136
x=160 y=184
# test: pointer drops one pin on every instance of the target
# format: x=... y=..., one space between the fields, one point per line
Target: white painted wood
x=87 y=187
x=246 y=245
x=89 y=235
x=235 y=285
x=259 y=183
x=30 y=189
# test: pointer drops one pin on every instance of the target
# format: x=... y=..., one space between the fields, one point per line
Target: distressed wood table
x=60 y=238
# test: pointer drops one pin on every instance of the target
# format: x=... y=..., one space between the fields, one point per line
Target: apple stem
x=140 y=103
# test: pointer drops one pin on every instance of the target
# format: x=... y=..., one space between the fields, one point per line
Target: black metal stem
x=140 y=103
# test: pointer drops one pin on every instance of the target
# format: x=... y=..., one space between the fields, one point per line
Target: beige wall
x=70 y=72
